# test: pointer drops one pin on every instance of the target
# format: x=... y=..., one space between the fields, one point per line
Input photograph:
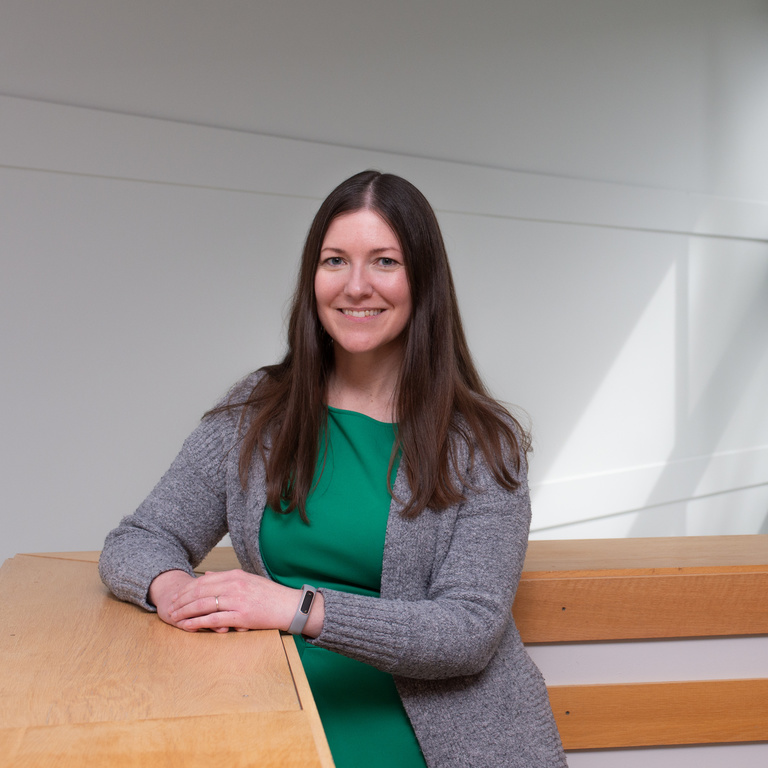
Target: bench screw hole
x=563 y=608
x=567 y=712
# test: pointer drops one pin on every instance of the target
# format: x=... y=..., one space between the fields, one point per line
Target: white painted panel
x=721 y=756
x=733 y=512
x=652 y=661
x=127 y=310
x=69 y=139
x=727 y=362
x=657 y=492
x=549 y=310
x=659 y=93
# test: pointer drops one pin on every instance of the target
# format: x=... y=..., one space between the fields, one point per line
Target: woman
x=376 y=499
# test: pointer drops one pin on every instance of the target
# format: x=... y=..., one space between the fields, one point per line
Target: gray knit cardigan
x=442 y=625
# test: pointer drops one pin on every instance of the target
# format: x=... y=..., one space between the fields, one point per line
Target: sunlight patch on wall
x=626 y=432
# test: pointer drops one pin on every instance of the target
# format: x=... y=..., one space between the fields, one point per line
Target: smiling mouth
x=361 y=312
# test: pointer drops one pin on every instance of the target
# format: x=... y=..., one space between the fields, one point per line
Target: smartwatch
x=302 y=612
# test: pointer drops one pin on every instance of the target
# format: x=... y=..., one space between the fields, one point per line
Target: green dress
x=342 y=548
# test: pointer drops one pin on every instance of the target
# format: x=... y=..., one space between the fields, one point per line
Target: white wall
x=600 y=171
x=618 y=294
x=629 y=322
x=662 y=93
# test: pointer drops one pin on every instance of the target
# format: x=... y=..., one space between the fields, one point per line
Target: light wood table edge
x=307 y=702
x=637 y=555
x=553 y=558
x=196 y=741
x=83 y=556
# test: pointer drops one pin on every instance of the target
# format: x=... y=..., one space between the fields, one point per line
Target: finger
x=212 y=583
x=227 y=581
x=185 y=595
x=219 y=577
x=218 y=622
x=196 y=590
x=201 y=606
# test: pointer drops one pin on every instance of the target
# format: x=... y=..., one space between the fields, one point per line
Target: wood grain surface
x=656 y=714
x=305 y=697
x=72 y=654
x=91 y=681
x=570 y=591
x=646 y=553
x=593 y=607
x=251 y=740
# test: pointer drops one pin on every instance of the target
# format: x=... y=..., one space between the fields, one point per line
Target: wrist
x=165 y=585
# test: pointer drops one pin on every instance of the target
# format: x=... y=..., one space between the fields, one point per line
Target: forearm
x=444 y=637
x=132 y=558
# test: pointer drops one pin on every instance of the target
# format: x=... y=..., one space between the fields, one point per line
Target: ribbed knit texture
x=442 y=625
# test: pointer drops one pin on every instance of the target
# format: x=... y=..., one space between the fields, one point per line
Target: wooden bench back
x=644 y=589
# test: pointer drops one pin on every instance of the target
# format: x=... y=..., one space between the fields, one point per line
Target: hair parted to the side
x=440 y=397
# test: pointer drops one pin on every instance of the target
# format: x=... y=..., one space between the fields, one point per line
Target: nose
x=358 y=284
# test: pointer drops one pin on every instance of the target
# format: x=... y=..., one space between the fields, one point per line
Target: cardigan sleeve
x=181 y=520
x=455 y=625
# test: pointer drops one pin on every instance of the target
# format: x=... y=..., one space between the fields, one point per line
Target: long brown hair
x=440 y=398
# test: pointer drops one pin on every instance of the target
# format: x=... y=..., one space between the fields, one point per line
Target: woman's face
x=361 y=287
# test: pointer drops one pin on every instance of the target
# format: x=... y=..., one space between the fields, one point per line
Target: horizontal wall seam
x=445 y=211
x=158 y=182
x=40 y=135
x=683 y=500
x=597 y=225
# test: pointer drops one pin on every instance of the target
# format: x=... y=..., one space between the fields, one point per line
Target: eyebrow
x=373 y=250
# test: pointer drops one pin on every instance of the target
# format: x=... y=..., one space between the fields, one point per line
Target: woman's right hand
x=163 y=589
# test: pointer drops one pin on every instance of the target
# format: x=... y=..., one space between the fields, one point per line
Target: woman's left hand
x=236 y=599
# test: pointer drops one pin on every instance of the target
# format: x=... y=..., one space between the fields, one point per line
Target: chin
x=367 y=348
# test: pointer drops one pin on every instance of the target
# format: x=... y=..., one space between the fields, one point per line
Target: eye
x=386 y=261
x=333 y=261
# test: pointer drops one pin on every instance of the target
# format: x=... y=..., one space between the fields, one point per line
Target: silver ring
x=216 y=598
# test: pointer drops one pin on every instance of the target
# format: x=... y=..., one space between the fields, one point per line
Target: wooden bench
x=647 y=589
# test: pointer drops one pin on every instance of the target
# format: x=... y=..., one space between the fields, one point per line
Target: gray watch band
x=302 y=612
